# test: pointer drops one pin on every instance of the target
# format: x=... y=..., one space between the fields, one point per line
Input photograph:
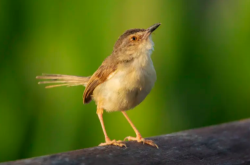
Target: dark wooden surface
x=226 y=144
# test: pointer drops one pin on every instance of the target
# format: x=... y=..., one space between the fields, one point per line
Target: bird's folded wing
x=100 y=76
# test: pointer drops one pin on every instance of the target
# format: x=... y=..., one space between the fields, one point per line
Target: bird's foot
x=142 y=140
x=113 y=142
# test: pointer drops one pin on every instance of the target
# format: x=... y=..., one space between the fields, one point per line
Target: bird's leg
x=138 y=137
x=107 y=140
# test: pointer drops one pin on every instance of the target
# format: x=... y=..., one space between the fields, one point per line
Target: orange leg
x=107 y=140
x=138 y=137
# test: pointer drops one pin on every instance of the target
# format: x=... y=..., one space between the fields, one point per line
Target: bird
x=122 y=81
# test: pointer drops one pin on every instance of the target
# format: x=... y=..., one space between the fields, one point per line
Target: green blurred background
x=202 y=59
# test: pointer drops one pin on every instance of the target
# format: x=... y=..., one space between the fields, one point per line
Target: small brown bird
x=122 y=81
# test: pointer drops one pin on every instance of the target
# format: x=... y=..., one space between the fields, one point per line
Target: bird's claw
x=141 y=140
x=114 y=142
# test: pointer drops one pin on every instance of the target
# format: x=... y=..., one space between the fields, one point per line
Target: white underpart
x=128 y=86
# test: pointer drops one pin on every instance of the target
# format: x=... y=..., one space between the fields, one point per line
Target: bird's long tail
x=62 y=80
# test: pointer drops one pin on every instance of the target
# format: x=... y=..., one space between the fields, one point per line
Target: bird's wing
x=102 y=73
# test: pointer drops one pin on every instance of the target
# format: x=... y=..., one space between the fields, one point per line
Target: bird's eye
x=133 y=38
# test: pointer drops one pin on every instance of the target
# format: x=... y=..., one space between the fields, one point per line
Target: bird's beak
x=151 y=29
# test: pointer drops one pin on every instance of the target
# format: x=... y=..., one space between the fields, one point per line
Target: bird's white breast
x=128 y=85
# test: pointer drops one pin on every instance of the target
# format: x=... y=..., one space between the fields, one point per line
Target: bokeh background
x=202 y=59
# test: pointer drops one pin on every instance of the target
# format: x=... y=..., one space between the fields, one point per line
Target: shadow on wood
x=226 y=144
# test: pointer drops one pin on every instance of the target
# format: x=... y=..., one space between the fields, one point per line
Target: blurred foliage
x=202 y=59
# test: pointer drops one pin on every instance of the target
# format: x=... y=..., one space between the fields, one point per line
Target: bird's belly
x=124 y=90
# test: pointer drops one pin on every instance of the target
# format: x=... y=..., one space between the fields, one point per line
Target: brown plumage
x=98 y=77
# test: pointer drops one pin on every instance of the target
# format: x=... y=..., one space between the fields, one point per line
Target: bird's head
x=135 y=42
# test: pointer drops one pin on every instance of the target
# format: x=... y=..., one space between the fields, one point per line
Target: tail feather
x=62 y=80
